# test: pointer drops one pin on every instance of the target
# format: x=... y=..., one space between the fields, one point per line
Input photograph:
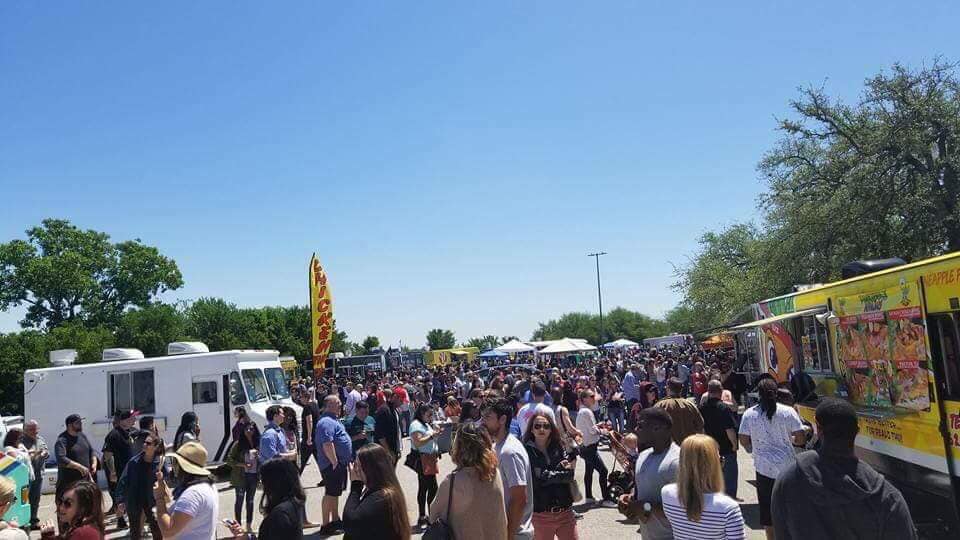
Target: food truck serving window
x=132 y=390
x=945 y=350
x=813 y=345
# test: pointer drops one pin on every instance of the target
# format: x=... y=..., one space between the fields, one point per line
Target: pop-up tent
x=621 y=344
x=514 y=346
x=567 y=345
x=493 y=353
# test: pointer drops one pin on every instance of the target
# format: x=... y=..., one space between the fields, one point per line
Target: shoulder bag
x=413 y=460
x=440 y=529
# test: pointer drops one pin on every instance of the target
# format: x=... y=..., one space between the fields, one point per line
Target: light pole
x=596 y=256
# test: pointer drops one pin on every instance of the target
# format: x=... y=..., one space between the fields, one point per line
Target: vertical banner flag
x=321 y=316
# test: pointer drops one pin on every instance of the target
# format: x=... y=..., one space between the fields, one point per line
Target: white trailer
x=211 y=384
x=674 y=340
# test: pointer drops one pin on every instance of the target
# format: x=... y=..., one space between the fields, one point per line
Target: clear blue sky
x=452 y=163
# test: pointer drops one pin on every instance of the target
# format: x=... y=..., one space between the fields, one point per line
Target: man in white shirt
x=538 y=392
x=353 y=396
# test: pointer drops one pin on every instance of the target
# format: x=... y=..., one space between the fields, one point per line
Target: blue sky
x=452 y=163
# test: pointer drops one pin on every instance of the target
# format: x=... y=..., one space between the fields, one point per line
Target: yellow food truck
x=444 y=357
x=889 y=342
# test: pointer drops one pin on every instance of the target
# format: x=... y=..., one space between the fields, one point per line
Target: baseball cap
x=125 y=414
x=72 y=418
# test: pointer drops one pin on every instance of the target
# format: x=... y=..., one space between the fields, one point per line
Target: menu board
x=883 y=348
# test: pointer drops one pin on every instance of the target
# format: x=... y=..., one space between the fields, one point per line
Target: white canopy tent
x=567 y=345
x=621 y=344
x=515 y=346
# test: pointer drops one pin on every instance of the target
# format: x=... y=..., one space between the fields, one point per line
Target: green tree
x=88 y=341
x=151 y=328
x=484 y=343
x=730 y=271
x=878 y=178
x=684 y=319
x=441 y=339
x=618 y=323
x=19 y=351
x=370 y=343
x=62 y=274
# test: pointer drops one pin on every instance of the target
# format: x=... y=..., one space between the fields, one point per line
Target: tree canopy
x=874 y=179
x=439 y=338
x=618 y=323
x=64 y=274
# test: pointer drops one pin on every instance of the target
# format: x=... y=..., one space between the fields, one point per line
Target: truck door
x=209 y=402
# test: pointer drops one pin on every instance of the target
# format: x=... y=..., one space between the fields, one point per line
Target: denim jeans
x=245 y=494
x=730 y=473
x=616 y=418
x=35 y=491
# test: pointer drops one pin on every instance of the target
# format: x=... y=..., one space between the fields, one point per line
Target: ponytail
x=767 y=389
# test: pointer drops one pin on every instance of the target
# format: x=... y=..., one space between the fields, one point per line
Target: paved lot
x=597 y=522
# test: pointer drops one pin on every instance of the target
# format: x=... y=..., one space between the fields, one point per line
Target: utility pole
x=596 y=256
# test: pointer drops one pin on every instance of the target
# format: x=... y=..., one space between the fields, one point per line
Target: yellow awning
x=778 y=318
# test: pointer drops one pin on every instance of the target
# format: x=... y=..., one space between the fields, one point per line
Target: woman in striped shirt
x=696 y=505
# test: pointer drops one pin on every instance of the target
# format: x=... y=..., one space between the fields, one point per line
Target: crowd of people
x=676 y=418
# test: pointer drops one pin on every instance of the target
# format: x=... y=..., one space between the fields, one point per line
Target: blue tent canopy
x=493 y=353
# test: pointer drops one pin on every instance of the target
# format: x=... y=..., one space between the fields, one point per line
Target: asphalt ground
x=597 y=522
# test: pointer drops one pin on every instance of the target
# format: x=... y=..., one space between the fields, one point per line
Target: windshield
x=277 y=382
x=255 y=384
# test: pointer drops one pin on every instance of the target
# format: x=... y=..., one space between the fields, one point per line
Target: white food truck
x=189 y=378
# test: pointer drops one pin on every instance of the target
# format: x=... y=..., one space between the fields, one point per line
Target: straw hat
x=192 y=458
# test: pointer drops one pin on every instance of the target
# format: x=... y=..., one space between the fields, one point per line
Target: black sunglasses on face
x=542 y=426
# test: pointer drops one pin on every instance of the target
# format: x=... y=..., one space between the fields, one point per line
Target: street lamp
x=599 y=296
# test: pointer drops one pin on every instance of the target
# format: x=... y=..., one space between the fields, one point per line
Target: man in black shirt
x=736 y=383
x=75 y=457
x=387 y=425
x=308 y=419
x=117 y=451
x=830 y=493
x=720 y=423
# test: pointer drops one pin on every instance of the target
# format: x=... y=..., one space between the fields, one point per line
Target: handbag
x=440 y=529
x=413 y=460
x=428 y=464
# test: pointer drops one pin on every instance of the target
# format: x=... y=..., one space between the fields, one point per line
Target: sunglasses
x=545 y=427
x=66 y=503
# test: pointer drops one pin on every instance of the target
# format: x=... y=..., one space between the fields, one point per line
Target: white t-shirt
x=720 y=519
x=587 y=424
x=527 y=412
x=350 y=407
x=772 y=440
x=202 y=503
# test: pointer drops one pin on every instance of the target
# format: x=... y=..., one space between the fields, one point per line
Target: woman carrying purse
x=423 y=438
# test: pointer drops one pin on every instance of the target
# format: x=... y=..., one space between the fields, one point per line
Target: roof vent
x=63 y=357
x=860 y=268
x=186 y=347
x=113 y=355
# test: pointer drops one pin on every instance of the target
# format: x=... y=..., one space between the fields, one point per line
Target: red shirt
x=402 y=392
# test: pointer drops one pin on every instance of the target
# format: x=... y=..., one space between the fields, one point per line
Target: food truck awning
x=778 y=318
